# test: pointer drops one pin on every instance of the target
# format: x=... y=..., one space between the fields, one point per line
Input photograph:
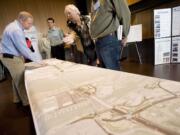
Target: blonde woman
x=80 y=26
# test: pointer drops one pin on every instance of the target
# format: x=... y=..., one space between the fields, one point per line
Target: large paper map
x=73 y=99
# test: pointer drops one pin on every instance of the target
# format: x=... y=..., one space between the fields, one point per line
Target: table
x=74 y=99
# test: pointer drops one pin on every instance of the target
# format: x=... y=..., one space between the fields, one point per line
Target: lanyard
x=96 y=7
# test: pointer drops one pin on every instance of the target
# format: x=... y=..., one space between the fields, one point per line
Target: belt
x=6 y=55
x=10 y=56
x=110 y=34
x=113 y=34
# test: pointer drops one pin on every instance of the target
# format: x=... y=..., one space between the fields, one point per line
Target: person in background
x=79 y=26
x=14 y=52
x=106 y=17
x=44 y=46
x=55 y=36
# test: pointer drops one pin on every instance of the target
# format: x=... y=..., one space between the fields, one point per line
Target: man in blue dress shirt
x=14 y=51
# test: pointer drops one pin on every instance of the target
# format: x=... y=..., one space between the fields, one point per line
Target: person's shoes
x=26 y=109
x=16 y=100
x=18 y=104
x=25 y=104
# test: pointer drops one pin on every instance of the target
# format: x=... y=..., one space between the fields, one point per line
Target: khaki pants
x=16 y=68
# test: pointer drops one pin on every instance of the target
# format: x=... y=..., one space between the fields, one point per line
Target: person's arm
x=69 y=38
x=19 y=41
x=123 y=14
x=61 y=33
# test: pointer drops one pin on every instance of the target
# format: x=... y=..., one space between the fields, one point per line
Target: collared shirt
x=14 y=43
x=55 y=36
x=0 y=48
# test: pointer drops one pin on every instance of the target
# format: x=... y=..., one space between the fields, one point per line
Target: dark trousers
x=58 y=52
x=108 y=52
x=79 y=57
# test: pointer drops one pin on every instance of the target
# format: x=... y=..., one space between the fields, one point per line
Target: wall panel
x=146 y=18
x=40 y=9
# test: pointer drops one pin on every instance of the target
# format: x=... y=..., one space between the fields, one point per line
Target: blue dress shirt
x=14 y=43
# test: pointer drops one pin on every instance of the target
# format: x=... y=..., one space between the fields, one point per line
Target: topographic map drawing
x=73 y=99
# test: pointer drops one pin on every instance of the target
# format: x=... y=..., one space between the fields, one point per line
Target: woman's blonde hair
x=71 y=7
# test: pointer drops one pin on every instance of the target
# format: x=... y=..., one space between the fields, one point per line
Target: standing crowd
x=92 y=40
